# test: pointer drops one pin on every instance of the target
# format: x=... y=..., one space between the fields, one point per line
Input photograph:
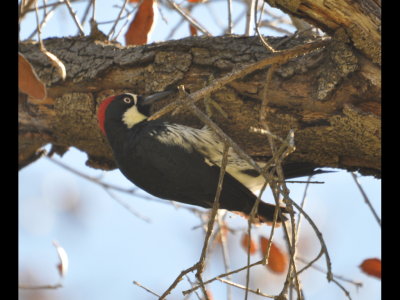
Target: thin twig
x=117 y=20
x=257 y=28
x=122 y=29
x=145 y=288
x=127 y=207
x=177 y=280
x=324 y=249
x=174 y=29
x=130 y=191
x=86 y=12
x=213 y=214
x=346 y=292
x=225 y=253
x=303 y=202
x=40 y=287
x=222 y=275
x=257 y=292
x=298 y=224
x=366 y=199
x=45 y=19
x=39 y=32
x=187 y=16
x=96 y=180
x=271 y=25
x=74 y=17
x=302 y=181
x=94 y=9
x=277 y=161
x=47 y=5
x=199 y=266
x=250 y=221
x=230 y=24
x=191 y=284
x=25 y=7
x=107 y=188
x=249 y=16
x=319 y=269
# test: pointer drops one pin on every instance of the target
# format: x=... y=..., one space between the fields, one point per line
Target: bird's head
x=129 y=109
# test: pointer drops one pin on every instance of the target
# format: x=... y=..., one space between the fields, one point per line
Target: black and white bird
x=180 y=163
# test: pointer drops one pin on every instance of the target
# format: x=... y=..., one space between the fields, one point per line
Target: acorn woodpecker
x=177 y=162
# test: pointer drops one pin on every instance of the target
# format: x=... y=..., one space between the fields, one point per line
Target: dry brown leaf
x=62 y=266
x=140 y=28
x=209 y=295
x=28 y=81
x=57 y=64
x=277 y=261
x=193 y=30
x=222 y=233
x=245 y=244
x=372 y=266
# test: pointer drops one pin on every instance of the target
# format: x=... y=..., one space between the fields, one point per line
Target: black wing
x=174 y=172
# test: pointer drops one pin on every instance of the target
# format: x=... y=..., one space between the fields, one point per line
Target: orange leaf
x=140 y=28
x=223 y=232
x=193 y=30
x=277 y=261
x=372 y=266
x=195 y=1
x=209 y=295
x=245 y=244
x=28 y=81
x=134 y=1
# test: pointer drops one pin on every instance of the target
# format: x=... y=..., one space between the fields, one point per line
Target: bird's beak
x=155 y=97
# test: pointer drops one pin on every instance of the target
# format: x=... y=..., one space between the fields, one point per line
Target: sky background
x=109 y=247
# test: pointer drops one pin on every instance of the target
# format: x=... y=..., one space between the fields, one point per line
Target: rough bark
x=360 y=20
x=331 y=96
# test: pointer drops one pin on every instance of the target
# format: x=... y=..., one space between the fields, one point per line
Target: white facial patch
x=132 y=116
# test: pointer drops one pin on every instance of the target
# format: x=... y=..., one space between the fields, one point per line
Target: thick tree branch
x=359 y=20
x=330 y=96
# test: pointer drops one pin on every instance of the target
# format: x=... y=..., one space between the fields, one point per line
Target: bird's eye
x=127 y=100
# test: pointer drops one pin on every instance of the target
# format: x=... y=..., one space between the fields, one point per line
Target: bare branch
x=74 y=17
x=356 y=283
x=145 y=288
x=366 y=199
x=199 y=266
x=249 y=16
x=40 y=287
x=187 y=16
x=117 y=20
x=246 y=288
x=230 y=24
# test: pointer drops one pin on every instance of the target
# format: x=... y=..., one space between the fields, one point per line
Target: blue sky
x=109 y=247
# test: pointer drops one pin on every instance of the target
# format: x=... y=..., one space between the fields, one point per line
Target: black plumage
x=176 y=162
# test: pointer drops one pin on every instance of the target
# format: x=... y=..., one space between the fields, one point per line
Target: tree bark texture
x=330 y=96
x=359 y=20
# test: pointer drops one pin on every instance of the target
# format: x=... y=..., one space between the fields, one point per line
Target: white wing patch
x=209 y=145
